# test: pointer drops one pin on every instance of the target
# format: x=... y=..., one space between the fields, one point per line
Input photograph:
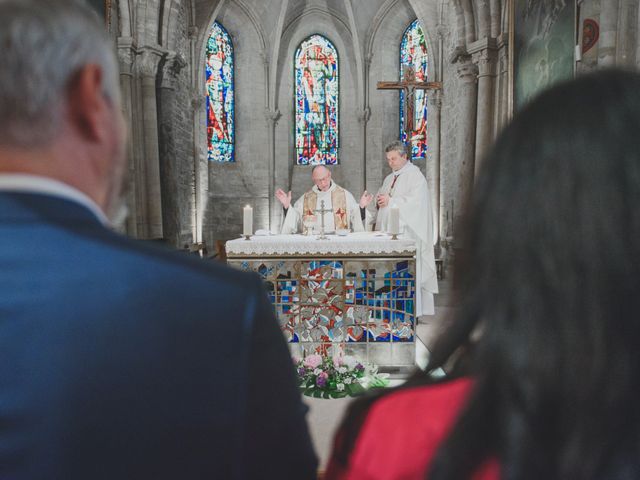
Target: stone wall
x=202 y=200
x=232 y=186
x=175 y=114
x=452 y=119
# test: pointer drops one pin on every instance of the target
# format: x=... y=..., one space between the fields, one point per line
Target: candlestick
x=394 y=221
x=247 y=222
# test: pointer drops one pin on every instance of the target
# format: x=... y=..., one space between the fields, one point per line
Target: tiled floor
x=325 y=415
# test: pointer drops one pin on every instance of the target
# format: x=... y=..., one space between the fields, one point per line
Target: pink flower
x=338 y=360
x=312 y=361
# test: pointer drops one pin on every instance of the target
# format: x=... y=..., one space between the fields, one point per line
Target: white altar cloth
x=359 y=244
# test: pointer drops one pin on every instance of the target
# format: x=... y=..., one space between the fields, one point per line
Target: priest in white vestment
x=406 y=188
x=343 y=214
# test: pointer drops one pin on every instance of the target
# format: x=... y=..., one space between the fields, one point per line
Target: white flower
x=348 y=380
x=349 y=361
x=342 y=370
x=317 y=371
x=340 y=387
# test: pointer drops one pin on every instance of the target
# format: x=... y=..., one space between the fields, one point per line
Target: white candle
x=394 y=220
x=247 y=223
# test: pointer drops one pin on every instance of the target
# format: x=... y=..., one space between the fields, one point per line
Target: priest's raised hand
x=284 y=198
x=365 y=199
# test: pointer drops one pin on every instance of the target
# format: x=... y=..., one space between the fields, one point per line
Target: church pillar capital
x=126 y=55
x=148 y=60
x=503 y=61
x=364 y=115
x=435 y=99
x=264 y=56
x=467 y=72
x=198 y=102
x=486 y=62
x=368 y=58
x=272 y=116
x=171 y=68
x=193 y=31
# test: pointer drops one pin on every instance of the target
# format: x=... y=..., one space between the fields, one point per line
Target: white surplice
x=293 y=220
x=410 y=194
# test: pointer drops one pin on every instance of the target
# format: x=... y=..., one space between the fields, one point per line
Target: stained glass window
x=220 y=96
x=413 y=54
x=316 y=102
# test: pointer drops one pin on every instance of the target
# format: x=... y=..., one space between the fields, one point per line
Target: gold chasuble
x=338 y=205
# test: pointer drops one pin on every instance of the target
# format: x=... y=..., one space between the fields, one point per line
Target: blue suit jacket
x=120 y=360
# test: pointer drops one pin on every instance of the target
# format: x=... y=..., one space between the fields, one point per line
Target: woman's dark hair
x=551 y=272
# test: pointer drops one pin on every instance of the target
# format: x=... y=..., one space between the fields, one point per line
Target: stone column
x=169 y=170
x=485 y=60
x=200 y=173
x=468 y=74
x=627 y=33
x=272 y=117
x=125 y=60
x=363 y=120
x=364 y=116
x=503 y=91
x=148 y=61
x=433 y=156
x=199 y=181
x=608 y=33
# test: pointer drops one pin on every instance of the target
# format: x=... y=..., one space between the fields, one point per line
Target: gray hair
x=43 y=44
x=397 y=146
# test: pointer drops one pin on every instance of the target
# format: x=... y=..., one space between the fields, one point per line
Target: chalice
x=308 y=222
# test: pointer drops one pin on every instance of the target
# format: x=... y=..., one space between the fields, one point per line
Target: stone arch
x=428 y=14
x=224 y=187
x=384 y=50
x=125 y=18
x=147 y=22
x=429 y=26
x=335 y=27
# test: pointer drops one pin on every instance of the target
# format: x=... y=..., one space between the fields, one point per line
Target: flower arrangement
x=336 y=376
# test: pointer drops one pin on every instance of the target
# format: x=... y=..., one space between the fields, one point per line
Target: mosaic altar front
x=365 y=306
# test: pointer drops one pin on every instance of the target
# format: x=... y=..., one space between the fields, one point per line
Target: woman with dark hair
x=550 y=276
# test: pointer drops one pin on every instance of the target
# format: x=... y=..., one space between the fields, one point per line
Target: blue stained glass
x=413 y=54
x=316 y=102
x=220 y=96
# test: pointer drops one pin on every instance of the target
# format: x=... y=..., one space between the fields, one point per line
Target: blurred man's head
x=59 y=97
x=321 y=177
x=396 y=154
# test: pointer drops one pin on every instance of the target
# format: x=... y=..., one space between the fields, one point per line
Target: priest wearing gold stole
x=406 y=188
x=344 y=211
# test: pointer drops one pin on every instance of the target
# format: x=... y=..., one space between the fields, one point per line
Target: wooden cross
x=322 y=211
x=409 y=85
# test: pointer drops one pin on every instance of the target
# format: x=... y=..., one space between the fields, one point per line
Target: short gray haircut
x=43 y=45
x=397 y=146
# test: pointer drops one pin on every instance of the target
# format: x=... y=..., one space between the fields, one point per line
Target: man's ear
x=88 y=104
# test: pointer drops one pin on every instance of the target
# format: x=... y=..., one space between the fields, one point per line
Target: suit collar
x=34 y=184
x=27 y=207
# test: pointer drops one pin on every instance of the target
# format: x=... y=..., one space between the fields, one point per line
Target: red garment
x=402 y=433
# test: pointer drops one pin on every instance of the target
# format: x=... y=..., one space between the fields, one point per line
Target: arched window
x=220 y=96
x=316 y=102
x=413 y=54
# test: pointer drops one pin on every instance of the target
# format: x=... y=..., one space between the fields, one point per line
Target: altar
x=356 y=292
